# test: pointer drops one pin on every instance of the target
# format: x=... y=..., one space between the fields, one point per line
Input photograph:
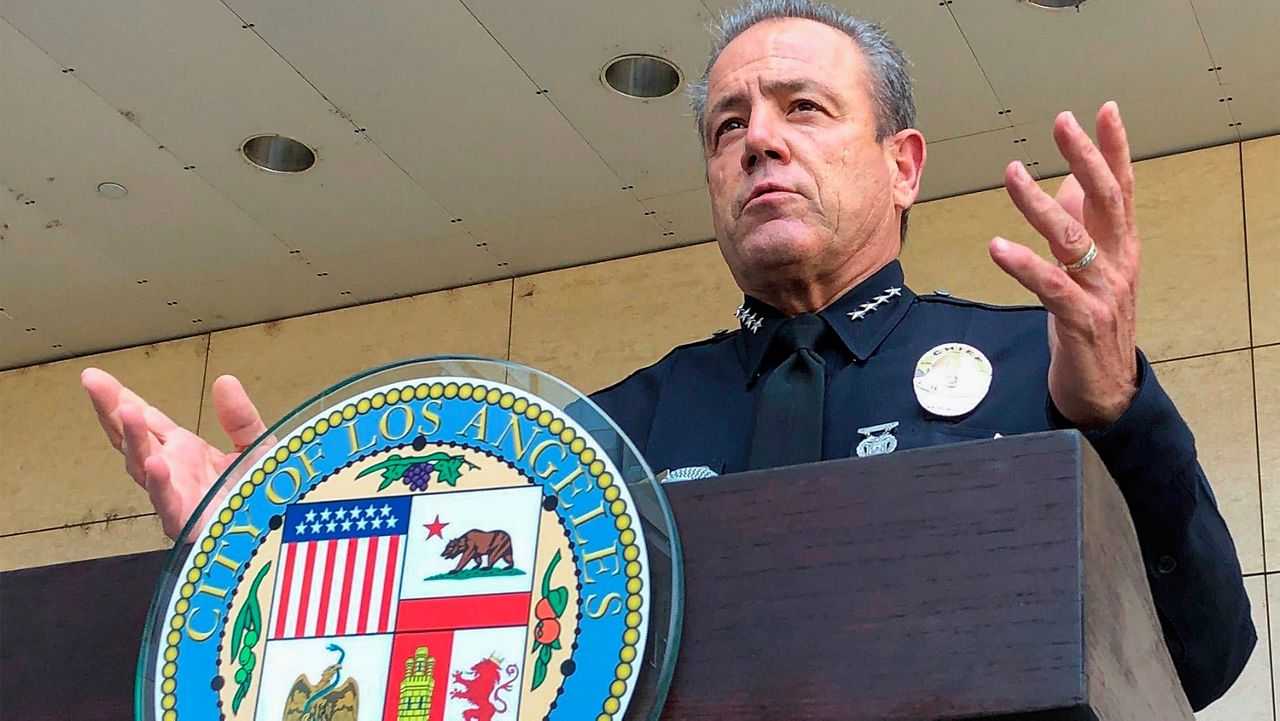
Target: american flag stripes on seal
x=340 y=568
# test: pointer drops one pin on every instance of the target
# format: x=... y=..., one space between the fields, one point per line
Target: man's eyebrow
x=785 y=86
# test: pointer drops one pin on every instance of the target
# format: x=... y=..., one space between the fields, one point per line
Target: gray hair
x=887 y=65
x=890 y=82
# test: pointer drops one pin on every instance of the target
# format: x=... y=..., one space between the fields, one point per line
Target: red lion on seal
x=482 y=689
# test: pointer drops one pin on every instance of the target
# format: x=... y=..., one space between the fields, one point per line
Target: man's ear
x=905 y=153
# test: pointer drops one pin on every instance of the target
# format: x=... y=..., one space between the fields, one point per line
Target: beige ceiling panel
x=195 y=80
x=625 y=313
x=1262 y=223
x=53 y=447
x=81 y=543
x=1255 y=104
x=443 y=99
x=687 y=215
x=110 y=319
x=1154 y=126
x=563 y=45
x=1228 y=442
x=283 y=364
x=1040 y=61
x=171 y=222
x=285 y=290
x=1241 y=35
x=968 y=164
x=412 y=268
x=43 y=263
x=557 y=241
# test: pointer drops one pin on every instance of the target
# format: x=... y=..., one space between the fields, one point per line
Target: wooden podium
x=995 y=579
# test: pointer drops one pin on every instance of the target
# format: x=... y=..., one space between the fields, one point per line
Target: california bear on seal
x=475 y=544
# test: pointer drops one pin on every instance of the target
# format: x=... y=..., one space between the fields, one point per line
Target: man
x=812 y=164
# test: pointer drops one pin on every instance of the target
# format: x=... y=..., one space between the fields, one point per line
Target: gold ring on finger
x=1084 y=261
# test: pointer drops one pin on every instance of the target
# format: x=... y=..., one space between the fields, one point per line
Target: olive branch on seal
x=244 y=636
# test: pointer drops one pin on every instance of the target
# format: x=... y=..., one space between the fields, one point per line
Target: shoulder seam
x=965 y=302
x=705 y=341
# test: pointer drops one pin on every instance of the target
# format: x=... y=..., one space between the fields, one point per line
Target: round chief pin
x=952 y=379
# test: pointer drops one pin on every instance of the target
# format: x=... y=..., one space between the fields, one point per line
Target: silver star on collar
x=748 y=318
x=868 y=308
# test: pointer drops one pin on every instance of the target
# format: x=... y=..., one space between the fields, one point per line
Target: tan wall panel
x=1273 y=609
x=1187 y=235
x=1262 y=220
x=947 y=247
x=1215 y=395
x=1266 y=368
x=1191 y=297
x=281 y=364
x=80 y=543
x=1250 y=697
x=621 y=315
x=59 y=469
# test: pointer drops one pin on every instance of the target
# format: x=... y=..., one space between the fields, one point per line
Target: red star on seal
x=435 y=528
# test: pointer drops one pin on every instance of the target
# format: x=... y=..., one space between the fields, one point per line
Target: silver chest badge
x=879 y=440
x=952 y=379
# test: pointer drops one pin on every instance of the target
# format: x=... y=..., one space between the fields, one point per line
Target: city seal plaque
x=438 y=539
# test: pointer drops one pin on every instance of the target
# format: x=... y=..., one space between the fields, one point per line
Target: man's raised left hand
x=1093 y=370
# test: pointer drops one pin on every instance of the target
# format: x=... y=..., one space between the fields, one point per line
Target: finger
x=1094 y=174
x=104 y=393
x=1056 y=290
x=164 y=497
x=1068 y=239
x=158 y=423
x=1113 y=140
x=236 y=413
x=1071 y=197
x=137 y=442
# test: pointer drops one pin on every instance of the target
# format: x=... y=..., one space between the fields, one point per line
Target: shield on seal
x=461 y=625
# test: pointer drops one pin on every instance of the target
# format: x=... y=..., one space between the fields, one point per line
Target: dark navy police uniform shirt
x=697 y=407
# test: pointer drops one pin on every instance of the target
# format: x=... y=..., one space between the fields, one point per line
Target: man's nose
x=764 y=139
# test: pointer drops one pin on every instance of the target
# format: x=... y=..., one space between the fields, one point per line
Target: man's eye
x=805 y=106
x=730 y=124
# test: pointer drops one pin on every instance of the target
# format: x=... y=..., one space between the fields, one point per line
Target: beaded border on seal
x=477 y=392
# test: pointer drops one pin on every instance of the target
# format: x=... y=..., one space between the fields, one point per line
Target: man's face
x=798 y=182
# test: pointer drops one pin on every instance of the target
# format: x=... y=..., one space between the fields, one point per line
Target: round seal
x=952 y=379
x=432 y=549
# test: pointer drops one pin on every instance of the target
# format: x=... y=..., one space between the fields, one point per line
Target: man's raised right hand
x=175 y=466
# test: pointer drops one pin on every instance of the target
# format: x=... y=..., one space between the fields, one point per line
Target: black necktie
x=789 y=417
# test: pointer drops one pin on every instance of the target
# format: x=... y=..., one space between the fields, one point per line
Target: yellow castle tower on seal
x=416 y=688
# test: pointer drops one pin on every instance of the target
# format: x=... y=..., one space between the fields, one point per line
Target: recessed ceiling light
x=278 y=153
x=112 y=190
x=641 y=76
x=1054 y=4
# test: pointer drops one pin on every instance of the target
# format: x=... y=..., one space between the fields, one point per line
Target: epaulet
x=943 y=297
x=717 y=337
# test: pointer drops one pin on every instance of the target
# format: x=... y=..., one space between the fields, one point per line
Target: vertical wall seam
x=204 y=382
x=511 y=317
x=1257 y=439
x=1253 y=360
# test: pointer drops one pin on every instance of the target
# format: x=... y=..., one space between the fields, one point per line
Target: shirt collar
x=862 y=318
